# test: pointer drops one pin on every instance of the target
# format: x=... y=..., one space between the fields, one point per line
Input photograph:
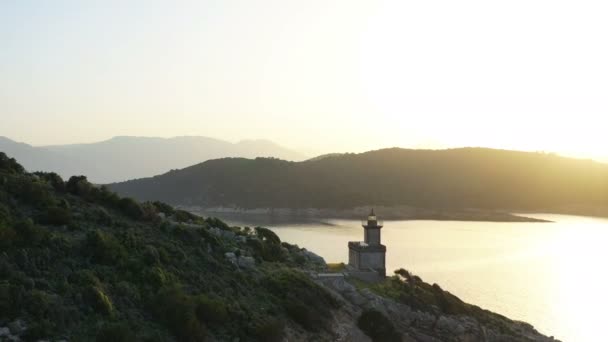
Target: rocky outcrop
x=313 y=258
x=13 y=331
x=417 y=325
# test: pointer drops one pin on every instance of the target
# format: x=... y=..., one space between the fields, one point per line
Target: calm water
x=552 y=275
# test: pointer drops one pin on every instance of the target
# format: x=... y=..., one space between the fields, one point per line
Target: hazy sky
x=320 y=75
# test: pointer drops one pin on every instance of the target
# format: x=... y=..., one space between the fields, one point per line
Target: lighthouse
x=367 y=258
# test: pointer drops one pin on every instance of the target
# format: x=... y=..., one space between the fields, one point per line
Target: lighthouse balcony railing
x=378 y=223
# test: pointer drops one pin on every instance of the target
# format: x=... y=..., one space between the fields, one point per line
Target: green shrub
x=39 y=330
x=115 y=332
x=184 y=216
x=79 y=186
x=216 y=223
x=151 y=255
x=304 y=315
x=156 y=277
x=37 y=303
x=104 y=248
x=267 y=235
x=5 y=214
x=128 y=290
x=177 y=312
x=108 y=197
x=375 y=325
x=54 y=180
x=7 y=235
x=33 y=192
x=100 y=301
x=30 y=234
x=163 y=208
x=268 y=245
x=56 y=216
x=131 y=208
x=10 y=165
x=5 y=300
x=267 y=329
x=84 y=278
x=149 y=213
x=306 y=302
x=211 y=311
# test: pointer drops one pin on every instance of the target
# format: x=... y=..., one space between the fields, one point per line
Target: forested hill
x=456 y=178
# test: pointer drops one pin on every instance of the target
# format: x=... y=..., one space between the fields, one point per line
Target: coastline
x=392 y=213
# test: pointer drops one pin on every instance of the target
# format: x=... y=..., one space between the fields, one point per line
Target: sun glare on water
x=580 y=279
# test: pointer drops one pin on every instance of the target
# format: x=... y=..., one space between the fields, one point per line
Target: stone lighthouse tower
x=367 y=258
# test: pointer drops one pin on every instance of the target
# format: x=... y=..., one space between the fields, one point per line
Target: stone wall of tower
x=374 y=260
x=353 y=258
x=372 y=236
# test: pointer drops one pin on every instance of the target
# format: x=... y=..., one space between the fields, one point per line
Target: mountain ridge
x=128 y=157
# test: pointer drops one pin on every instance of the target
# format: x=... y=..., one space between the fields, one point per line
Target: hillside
x=440 y=179
x=79 y=263
x=124 y=158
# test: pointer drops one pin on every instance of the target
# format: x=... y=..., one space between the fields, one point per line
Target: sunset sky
x=319 y=76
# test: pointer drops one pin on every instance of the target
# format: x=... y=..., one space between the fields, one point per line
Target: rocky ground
x=415 y=325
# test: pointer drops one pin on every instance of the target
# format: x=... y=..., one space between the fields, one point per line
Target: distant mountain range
x=124 y=158
x=456 y=178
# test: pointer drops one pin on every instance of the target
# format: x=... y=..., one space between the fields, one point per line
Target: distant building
x=367 y=258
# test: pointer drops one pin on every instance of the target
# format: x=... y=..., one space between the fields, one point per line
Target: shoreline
x=395 y=213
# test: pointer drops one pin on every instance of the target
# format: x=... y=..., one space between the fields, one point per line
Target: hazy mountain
x=457 y=178
x=123 y=158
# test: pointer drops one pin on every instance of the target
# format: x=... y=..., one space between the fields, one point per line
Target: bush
x=267 y=235
x=184 y=216
x=163 y=208
x=104 y=248
x=84 y=278
x=7 y=236
x=5 y=300
x=267 y=246
x=149 y=213
x=216 y=223
x=267 y=329
x=131 y=208
x=100 y=301
x=30 y=234
x=156 y=277
x=306 y=302
x=7 y=233
x=56 y=216
x=211 y=311
x=37 y=303
x=177 y=311
x=304 y=315
x=116 y=332
x=33 y=192
x=375 y=325
x=10 y=165
x=53 y=179
x=79 y=186
x=38 y=330
x=107 y=197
